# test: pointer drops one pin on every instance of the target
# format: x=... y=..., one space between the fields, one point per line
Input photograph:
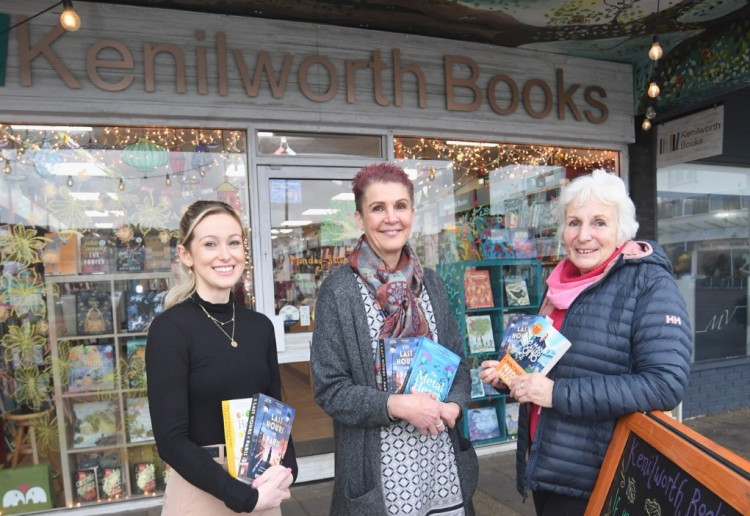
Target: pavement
x=496 y=494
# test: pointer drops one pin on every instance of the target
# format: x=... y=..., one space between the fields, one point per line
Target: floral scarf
x=396 y=291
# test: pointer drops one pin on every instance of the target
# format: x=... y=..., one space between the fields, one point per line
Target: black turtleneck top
x=191 y=367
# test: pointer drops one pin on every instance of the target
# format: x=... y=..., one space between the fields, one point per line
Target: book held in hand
x=269 y=428
x=236 y=413
x=477 y=389
x=432 y=369
x=479 y=334
x=477 y=289
x=395 y=355
x=530 y=344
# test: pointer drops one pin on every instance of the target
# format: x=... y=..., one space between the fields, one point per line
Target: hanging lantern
x=145 y=155
x=45 y=159
x=228 y=193
x=177 y=161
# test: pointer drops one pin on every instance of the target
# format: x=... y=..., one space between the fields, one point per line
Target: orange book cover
x=477 y=289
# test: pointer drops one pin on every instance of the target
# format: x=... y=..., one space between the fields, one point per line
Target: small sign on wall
x=691 y=138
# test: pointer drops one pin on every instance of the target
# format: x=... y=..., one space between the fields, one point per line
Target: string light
x=655 y=52
x=69 y=18
x=168 y=181
x=653 y=90
x=69 y=182
x=6 y=168
x=646 y=125
x=650 y=113
x=121 y=185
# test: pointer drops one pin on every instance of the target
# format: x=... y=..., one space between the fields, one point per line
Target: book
x=145 y=478
x=158 y=252
x=483 y=423
x=516 y=291
x=511 y=419
x=136 y=362
x=432 y=369
x=396 y=356
x=479 y=334
x=477 y=389
x=530 y=344
x=95 y=424
x=236 y=413
x=477 y=289
x=86 y=483
x=269 y=428
x=94 y=255
x=142 y=307
x=111 y=482
x=93 y=312
x=91 y=367
x=139 y=420
x=130 y=258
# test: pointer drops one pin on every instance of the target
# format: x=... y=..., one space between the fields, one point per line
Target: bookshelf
x=97 y=335
x=516 y=287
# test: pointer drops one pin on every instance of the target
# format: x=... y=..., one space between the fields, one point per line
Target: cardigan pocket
x=367 y=503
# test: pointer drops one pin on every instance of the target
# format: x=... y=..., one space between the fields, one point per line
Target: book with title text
x=236 y=413
x=530 y=344
x=267 y=436
x=433 y=369
x=395 y=355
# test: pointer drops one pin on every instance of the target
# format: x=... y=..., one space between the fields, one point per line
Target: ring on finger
x=440 y=425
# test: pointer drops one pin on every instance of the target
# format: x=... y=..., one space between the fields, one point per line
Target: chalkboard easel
x=657 y=466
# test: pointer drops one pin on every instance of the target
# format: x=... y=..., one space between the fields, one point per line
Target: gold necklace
x=220 y=324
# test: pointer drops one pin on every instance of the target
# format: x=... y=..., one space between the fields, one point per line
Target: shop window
x=709 y=247
x=89 y=222
x=480 y=200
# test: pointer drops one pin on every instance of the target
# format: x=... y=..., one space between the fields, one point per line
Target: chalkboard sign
x=656 y=466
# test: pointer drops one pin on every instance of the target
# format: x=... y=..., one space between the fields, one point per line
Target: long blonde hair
x=193 y=216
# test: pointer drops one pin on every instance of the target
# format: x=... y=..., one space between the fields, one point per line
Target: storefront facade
x=110 y=132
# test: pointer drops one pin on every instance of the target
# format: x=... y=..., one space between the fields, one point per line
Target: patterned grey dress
x=419 y=471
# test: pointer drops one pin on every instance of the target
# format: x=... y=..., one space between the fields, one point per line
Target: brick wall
x=716 y=386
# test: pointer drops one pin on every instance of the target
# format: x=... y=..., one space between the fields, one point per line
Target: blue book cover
x=433 y=369
x=269 y=428
x=399 y=352
x=530 y=344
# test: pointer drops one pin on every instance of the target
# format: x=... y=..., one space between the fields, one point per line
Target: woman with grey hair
x=616 y=300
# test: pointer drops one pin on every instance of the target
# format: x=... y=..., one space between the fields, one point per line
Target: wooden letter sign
x=656 y=466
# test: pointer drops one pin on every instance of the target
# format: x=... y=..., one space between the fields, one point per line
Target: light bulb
x=653 y=90
x=646 y=125
x=121 y=186
x=650 y=113
x=6 y=168
x=655 y=52
x=69 y=18
x=69 y=182
x=168 y=181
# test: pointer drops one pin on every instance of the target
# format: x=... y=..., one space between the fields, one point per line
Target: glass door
x=306 y=216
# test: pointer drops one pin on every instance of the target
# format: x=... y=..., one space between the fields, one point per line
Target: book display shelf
x=98 y=325
x=483 y=295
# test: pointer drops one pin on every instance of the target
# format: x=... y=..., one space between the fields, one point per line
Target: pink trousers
x=182 y=498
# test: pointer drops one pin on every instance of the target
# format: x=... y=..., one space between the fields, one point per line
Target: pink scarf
x=566 y=282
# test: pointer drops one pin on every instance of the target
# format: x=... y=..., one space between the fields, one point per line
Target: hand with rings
x=439 y=426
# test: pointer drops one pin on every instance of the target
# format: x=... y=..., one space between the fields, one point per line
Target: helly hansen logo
x=674 y=319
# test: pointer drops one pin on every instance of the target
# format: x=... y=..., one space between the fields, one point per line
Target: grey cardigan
x=343 y=371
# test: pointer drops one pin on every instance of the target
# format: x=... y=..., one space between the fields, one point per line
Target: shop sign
x=691 y=138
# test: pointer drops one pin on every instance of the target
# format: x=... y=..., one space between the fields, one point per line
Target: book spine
x=508 y=369
x=383 y=365
x=229 y=437
x=243 y=469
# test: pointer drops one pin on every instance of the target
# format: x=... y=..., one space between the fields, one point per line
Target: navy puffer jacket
x=631 y=349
